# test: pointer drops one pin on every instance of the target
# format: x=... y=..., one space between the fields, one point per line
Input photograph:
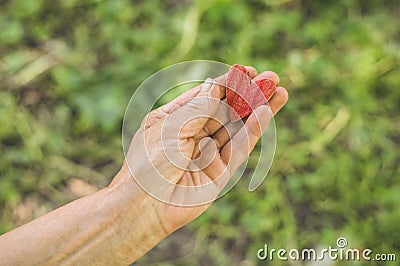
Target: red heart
x=245 y=95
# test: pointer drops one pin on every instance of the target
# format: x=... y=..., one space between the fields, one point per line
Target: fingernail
x=206 y=85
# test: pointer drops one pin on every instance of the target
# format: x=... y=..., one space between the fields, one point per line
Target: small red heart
x=245 y=95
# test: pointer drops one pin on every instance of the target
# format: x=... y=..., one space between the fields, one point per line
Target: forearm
x=96 y=229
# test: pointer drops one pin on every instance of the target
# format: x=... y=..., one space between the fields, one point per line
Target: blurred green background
x=68 y=69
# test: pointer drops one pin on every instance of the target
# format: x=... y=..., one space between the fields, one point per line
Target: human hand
x=178 y=161
x=182 y=152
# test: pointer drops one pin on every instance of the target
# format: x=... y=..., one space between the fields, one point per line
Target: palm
x=187 y=158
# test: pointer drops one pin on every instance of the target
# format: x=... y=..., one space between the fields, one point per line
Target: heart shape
x=243 y=94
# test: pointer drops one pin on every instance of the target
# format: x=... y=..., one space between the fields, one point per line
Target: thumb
x=194 y=114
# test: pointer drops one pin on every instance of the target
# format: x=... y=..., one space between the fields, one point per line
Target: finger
x=242 y=143
x=252 y=71
x=180 y=126
x=208 y=130
x=278 y=100
x=185 y=97
x=222 y=136
x=268 y=75
x=208 y=152
x=220 y=118
x=225 y=133
x=210 y=161
x=212 y=126
x=217 y=171
x=181 y=99
x=193 y=115
x=221 y=80
x=169 y=107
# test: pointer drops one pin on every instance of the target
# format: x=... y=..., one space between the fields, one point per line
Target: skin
x=120 y=223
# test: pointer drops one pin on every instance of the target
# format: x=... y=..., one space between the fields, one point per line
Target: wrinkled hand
x=179 y=160
x=185 y=151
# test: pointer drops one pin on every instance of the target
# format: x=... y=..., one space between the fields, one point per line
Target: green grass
x=68 y=68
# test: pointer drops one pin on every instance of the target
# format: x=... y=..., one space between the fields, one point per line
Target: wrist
x=141 y=228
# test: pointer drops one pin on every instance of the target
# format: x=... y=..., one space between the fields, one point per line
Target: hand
x=182 y=153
